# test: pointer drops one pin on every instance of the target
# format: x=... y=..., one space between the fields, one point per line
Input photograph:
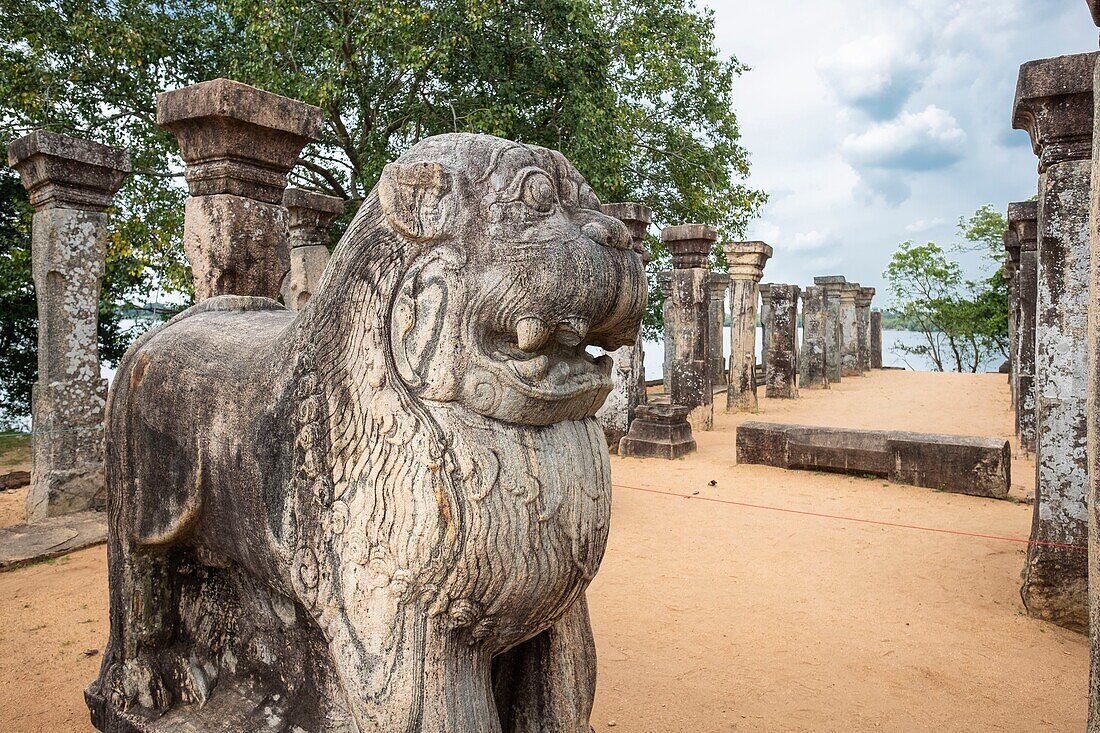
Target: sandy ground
x=717 y=617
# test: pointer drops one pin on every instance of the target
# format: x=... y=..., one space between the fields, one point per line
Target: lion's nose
x=608 y=232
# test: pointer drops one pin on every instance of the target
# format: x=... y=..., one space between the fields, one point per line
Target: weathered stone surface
x=1009 y=271
x=22 y=544
x=849 y=331
x=310 y=217
x=382 y=512
x=833 y=285
x=14 y=480
x=876 y=339
x=1054 y=104
x=812 y=372
x=718 y=286
x=955 y=463
x=70 y=183
x=664 y=282
x=766 y=318
x=746 y=267
x=1093 y=406
x=1022 y=220
x=659 y=431
x=238 y=144
x=628 y=371
x=863 y=328
x=689 y=383
x=781 y=358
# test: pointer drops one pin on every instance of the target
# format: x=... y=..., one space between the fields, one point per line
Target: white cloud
x=921 y=141
x=923 y=225
x=875 y=74
x=807 y=241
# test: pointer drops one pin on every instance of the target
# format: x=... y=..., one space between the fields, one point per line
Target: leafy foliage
x=963 y=322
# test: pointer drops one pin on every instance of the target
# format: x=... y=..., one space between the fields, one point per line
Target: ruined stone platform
x=22 y=544
x=959 y=464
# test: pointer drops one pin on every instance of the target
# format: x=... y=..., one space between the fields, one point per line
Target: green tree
x=963 y=322
x=634 y=93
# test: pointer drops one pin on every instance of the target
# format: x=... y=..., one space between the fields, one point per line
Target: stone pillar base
x=658 y=431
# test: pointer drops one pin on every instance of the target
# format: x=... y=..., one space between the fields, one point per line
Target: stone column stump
x=876 y=339
x=766 y=318
x=71 y=185
x=1009 y=271
x=746 y=267
x=689 y=383
x=863 y=328
x=812 y=374
x=718 y=285
x=628 y=372
x=310 y=217
x=1054 y=103
x=658 y=431
x=238 y=143
x=781 y=359
x=664 y=282
x=833 y=284
x=1023 y=221
x=849 y=331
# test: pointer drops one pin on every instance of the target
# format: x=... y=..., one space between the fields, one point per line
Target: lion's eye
x=539 y=193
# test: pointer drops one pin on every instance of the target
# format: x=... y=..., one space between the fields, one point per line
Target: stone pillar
x=238 y=144
x=849 y=337
x=718 y=285
x=1009 y=270
x=766 y=316
x=311 y=216
x=689 y=383
x=1023 y=221
x=664 y=282
x=746 y=267
x=863 y=328
x=833 y=284
x=628 y=372
x=876 y=339
x=1054 y=104
x=812 y=362
x=781 y=358
x=71 y=184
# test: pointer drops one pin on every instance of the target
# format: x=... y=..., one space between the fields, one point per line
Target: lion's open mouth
x=556 y=371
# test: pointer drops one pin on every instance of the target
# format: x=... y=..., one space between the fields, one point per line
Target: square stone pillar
x=664 y=282
x=310 y=218
x=863 y=328
x=718 y=285
x=876 y=339
x=1009 y=270
x=781 y=358
x=71 y=184
x=746 y=267
x=833 y=284
x=849 y=333
x=238 y=144
x=812 y=360
x=1054 y=104
x=1023 y=222
x=689 y=383
x=628 y=372
x=766 y=316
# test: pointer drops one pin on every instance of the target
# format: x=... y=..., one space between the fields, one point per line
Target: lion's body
x=379 y=514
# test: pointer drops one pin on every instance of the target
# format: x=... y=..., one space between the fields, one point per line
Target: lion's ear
x=415 y=199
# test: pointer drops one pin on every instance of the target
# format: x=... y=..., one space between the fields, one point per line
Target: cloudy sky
x=875 y=121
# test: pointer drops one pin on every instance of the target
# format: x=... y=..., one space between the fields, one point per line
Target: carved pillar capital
x=68 y=173
x=689 y=244
x=1023 y=222
x=1054 y=105
x=747 y=259
x=717 y=285
x=637 y=218
x=237 y=139
x=864 y=297
x=311 y=215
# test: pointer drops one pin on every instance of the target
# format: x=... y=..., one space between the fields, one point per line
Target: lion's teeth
x=531 y=333
x=533 y=369
x=571 y=331
x=605 y=363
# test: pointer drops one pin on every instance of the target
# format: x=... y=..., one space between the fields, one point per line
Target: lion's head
x=517 y=272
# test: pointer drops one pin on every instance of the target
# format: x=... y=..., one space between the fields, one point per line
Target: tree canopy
x=634 y=93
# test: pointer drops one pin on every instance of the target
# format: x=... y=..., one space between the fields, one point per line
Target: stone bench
x=956 y=463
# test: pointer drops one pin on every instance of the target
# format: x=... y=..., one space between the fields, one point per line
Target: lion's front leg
x=547 y=684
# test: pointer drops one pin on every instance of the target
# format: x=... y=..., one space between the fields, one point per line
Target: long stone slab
x=955 y=463
x=21 y=544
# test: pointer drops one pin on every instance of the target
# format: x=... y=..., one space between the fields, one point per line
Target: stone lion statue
x=379 y=514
